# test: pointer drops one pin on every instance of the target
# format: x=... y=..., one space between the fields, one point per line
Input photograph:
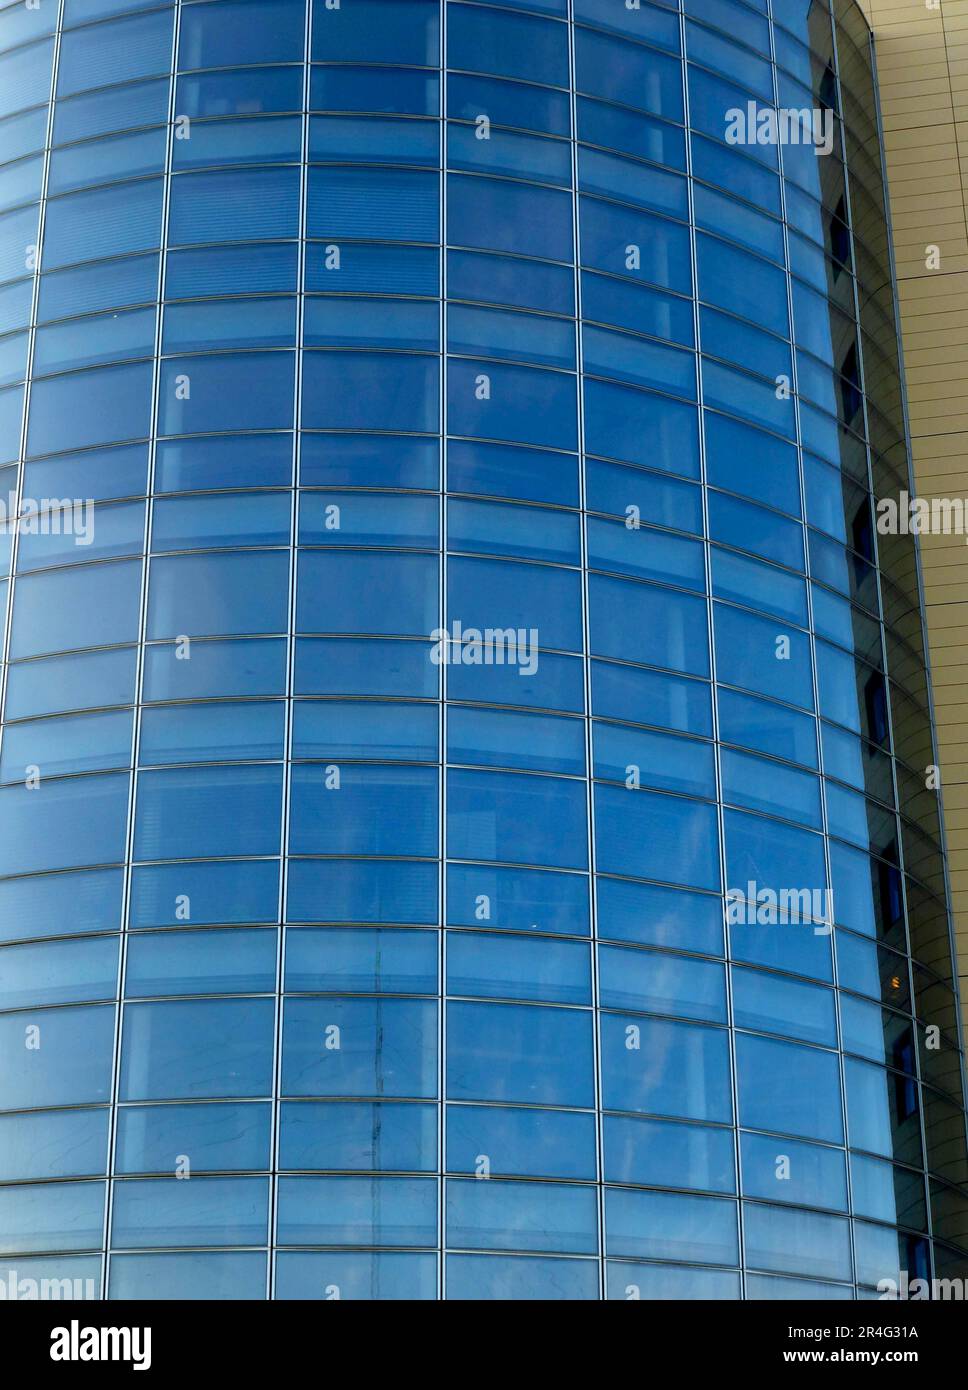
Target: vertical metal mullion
x=587 y=668
x=442 y=691
x=142 y=637
x=812 y=644
x=711 y=641
x=276 y=1105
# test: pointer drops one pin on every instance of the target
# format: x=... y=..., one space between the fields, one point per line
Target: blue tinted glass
x=634 y=76
x=233 y=205
x=233 y=1137
x=355 y=1274
x=413 y=821
x=162 y=895
x=245 y=92
x=495 y=816
x=357 y=1136
x=201 y=963
x=661 y=1154
x=181 y=809
x=385 y=32
x=654 y=1066
x=63 y=973
x=496 y=966
x=667 y=1226
x=103 y=221
x=330 y=1047
x=241 y=31
x=507 y=103
x=116 y=108
x=507 y=45
x=523 y=1216
x=521 y=1277
x=792 y=1090
x=550 y=1143
x=357 y=1211
x=54 y=1144
x=221 y=1276
x=115 y=52
x=195 y=1049
x=661 y=984
x=487 y=1048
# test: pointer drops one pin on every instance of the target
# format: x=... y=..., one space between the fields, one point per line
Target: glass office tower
x=467 y=826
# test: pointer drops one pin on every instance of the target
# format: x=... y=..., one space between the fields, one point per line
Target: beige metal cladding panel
x=922 y=58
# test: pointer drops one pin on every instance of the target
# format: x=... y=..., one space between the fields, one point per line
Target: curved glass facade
x=452 y=673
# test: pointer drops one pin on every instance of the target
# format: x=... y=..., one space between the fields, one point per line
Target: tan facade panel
x=922 y=57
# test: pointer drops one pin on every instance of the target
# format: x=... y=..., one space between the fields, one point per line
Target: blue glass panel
x=116 y=52
x=51 y=1216
x=641 y=622
x=657 y=1153
x=207 y=594
x=626 y=73
x=367 y=390
x=63 y=824
x=355 y=1136
x=489 y=965
x=116 y=108
x=357 y=962
x=666 y=1226
x=234 y=205
x=515 y=818
x=90 y=408
x=151 y=1138
x=220 y=1276
x=59 y=903
x=242 y=31
x=652 y=1066
x=375 y=204
x=496 y=215
x=162 y=895
x=245 y=92
x=518 y=899
x=518 y=1052
x=205 y=1211
x=359 y=1047
x=357 y=1274
x=789 y=1089
x=520 y=1142
x=72 y=1066
x=185 y=813
x=382 y=89
x=54 y=1144
x=339 y=890
x=199 y=962
x=781 y=1170
x=522 y=1216
x=103 y=222
x=652 y=983
x=385 y=32
x=104 y=160
x=195 y=1049
x=520 y=1278
x=357 y=1211
x=655 y=916
x=508 y=103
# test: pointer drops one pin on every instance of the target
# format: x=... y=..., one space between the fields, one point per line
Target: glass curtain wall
x=447 y=644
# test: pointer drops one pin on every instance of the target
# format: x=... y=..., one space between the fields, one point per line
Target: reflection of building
x=729 y=688
x=923 y=106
